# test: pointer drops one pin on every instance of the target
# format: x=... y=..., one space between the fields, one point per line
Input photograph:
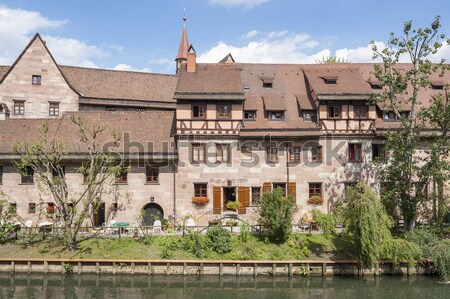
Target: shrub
x=276 y=212
x=399 y=250
x=324 y=221
x=166 y=253
x=441 y=259
x=220 y=239
x=244 y=235
x=199 y=248
x=425 y=238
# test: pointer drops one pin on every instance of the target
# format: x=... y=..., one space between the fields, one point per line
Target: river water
x=230 y=287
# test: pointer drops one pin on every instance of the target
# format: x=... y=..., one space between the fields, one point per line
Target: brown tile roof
x=289 y=84
x=252 y=102
x=156 y=136
x=274 y=102
x=210 y=81
x=349 y=85
x=121 y=85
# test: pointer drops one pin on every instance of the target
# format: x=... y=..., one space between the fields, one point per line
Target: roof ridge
x=113 y=70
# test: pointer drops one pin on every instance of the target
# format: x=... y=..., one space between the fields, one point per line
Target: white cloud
x=286 y=47
x=238 y=3
x=250 y=34
x=127 y=67
x=73 y=52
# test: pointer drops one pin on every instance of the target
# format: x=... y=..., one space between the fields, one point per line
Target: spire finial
x=184 y=16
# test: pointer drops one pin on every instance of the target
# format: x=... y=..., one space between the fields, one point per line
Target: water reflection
x=134 y=286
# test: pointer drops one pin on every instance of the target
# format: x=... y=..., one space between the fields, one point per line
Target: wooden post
x=274 y=269
x=290 y=272
x=79 y=267
x=133 y=267
x=221 y=269
x=238 y=269
x=45 y=267
x=114 y=268
x=377 y=269
x=255 y=269
x=62 y=268
x=149 y=268
x=13 y=267
x=97 y=267
x=201 y=268
x=168 y=269
x=29 y=266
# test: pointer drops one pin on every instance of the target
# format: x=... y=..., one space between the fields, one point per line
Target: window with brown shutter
x=267 y=187
x=292 y=190
x=199 y=111
x=244 y=199
x=217 y=200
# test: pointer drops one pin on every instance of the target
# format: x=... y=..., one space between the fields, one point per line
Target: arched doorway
x=152 y=212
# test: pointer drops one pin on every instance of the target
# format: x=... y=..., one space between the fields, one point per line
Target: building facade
x=206 y=136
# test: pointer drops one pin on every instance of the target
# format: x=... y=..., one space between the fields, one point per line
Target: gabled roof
x=37 y=37
x=228 y=59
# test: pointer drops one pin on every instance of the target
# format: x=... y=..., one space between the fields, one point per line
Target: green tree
x=331 y=59
x=276 y=212
x=406 y=194
x=46 y=156
x=367 y=224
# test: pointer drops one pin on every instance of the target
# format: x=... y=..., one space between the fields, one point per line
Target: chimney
x=191 y=60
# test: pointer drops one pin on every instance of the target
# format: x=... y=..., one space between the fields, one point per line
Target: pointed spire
x=184 y=45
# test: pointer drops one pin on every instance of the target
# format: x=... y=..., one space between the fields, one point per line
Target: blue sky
x=144 y=35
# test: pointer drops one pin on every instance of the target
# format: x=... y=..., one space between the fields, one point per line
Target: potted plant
x=233 y=205
x=315 y=200
x=213 y=222
x=200 y=200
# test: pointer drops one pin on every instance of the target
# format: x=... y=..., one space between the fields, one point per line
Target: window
x=1 y=174
x=53 y=108
x=404 y=114
x=276 y=115
x=249 y=115
x=199 y=111
x=355 y=152
x=27 y=175
x=19 y=107
x=256 y=196
x=272 y=154
x=437 y=86
x=377 y=151
x=330 y=81
x=294 y=154
x=122 y=178
x=223 y=153
x=316 y=154
x=246 y=85
x=198 y=152
x=315 y=189
x=334 y=111
x=36 y=79
x=31 y=208
x=281 y=186
x=309 y=115
x=56 y=172
x=389 y=115
x=115 y=207
x=267 y=84
x=51 y=208
x=361 y=111
x=200 y=190
x=110 y=108
x=224 y=111
x=151 y=174
x=13 y=207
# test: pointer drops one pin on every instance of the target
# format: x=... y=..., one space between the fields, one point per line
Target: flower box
x=233 y=205
x=200 y=200
x=315 y=200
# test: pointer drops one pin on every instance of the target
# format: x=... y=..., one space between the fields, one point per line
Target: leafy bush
x=399 y=250
x=220 y=239
x=324 y=221
x=276 y=212
x=244 y=235
x=199 y=247
x=441 y=259
x=425 y=238
x=167 y=253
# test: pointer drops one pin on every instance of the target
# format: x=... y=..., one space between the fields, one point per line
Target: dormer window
x=36 y=80
x=330 y=80
x=249 y=115
x=374 y=84
x=246 y=85
x=437 y=86
x=267 y=82
x=309 y=115
x=276 y=115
